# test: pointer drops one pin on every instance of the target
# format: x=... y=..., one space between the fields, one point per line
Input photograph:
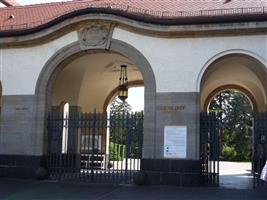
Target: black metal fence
x=209 y=148
x=94 y=147
x=259 y=148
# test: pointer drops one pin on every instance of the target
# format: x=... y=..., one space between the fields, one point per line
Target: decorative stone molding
x=54 y=31
x=96 y=36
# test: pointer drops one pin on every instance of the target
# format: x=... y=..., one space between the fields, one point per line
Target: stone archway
x=56 y=64
x=246 y=92
x=113 y=93
x=236 y=71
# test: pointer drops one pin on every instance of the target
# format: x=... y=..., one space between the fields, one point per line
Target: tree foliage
x=124 y=124
x=119 y=107
x=235 y=114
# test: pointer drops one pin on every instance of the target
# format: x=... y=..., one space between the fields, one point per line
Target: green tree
x=118 y=112
x=118 y=120
x=126 y=131
x=235 y=114
x=119 y=107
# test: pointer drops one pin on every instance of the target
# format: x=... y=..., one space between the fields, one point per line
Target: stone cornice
x=165 y=31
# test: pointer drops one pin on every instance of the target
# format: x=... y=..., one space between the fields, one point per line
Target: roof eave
x=142 y=18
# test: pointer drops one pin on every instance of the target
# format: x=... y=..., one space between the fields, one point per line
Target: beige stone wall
x=178 y=65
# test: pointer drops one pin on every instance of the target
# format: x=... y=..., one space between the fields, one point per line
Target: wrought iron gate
x=259 y=148
x=94 y=147
x=209 y=148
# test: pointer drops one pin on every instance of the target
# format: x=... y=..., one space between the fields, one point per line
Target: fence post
x=93 y=146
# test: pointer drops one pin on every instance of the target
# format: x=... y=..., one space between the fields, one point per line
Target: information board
x=175 y=140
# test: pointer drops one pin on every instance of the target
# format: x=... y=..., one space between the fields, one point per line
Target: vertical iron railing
x=209 y=148
x=259 y=148
x=94 y=147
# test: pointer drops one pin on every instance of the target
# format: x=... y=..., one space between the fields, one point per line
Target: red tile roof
x=33 y=16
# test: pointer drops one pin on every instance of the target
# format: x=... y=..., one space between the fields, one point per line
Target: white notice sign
x=175 y=141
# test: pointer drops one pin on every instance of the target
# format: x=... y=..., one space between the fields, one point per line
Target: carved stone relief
x=96 y=36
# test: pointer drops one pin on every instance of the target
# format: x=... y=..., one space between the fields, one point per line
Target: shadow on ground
x=12 y=189
x=237 y=181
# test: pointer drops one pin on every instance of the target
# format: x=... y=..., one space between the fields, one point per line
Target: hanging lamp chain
x=123 y=88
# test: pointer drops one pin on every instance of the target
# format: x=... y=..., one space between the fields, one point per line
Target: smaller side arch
x=64 y=109
x=230 y=87
x=226 y=53
x=113 y=93
x=62 y=106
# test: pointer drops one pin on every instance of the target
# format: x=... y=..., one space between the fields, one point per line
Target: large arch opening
x=88 y=80
x=234 y=111
x=230 y=79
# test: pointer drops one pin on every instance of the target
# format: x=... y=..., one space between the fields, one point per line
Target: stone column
x=175 y=109
x=21 y=144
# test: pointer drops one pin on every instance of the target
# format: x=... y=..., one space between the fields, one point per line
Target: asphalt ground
x=14 y=189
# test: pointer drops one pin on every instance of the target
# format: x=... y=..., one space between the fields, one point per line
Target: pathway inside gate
x=236 y=175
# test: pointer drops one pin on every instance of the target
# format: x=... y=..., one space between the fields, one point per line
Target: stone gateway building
x=71 y=53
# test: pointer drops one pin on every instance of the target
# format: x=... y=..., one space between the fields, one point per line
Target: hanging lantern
x=123 y=87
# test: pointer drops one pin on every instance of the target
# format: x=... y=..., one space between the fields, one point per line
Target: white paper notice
x=175 y=141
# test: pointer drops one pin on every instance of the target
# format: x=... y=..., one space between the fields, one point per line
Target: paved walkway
x=236 y=175
x=11 y=189
x=235 y=181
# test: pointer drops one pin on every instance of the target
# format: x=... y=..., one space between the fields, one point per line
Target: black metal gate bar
x=94 y=147
x=259 y=148
x=209 y=148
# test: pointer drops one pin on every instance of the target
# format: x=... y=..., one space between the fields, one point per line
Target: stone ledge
x=171 y=165
x=20 y=166
x=172 y=172
x=173 y=178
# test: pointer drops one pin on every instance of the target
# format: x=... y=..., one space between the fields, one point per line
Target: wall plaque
x=175 y=141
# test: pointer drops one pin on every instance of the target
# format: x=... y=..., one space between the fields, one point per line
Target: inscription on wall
x=22 y=108
x=170 y=109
